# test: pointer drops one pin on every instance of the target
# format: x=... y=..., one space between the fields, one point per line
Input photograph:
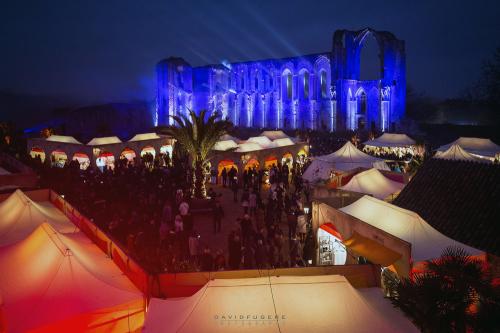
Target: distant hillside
x=26 y=110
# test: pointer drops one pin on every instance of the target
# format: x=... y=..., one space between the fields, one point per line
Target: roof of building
x=458 y=198
x=455 y=152
x=63 y=139
x=476 y=146
x=104 y=141
x=145 y=136
x=391 y=140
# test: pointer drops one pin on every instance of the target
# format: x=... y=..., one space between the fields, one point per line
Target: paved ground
x=232 y=211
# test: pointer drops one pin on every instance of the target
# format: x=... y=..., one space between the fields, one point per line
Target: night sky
x=102 y=50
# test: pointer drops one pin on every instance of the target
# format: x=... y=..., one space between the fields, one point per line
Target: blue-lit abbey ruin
x=318 y=91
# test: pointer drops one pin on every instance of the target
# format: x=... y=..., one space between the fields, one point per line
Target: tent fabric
x=145 y=136
x=345 y=159
x=4 y=172
x=47 y=286
x=63 y=139
x=274 y=135
x=374 y=183
x=19 y=216
x=225 y=145
x=273 y=304
x=391 y=140
x=372 y=250
x=476 y=146
x=227 y=137
x=457 y=153
x=104 y=141
x=248 y=146
x=330 y=228
x=264 y=141
x=426 y=242
x=283 y=142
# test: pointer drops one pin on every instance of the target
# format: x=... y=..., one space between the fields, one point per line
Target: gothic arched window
x=323 y=84
x=305 y=85
x=289 y=85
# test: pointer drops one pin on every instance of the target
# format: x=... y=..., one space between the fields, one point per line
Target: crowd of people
x=146 y=207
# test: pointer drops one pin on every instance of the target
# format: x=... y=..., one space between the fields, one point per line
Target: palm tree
x=454 y=294
x=198 y=137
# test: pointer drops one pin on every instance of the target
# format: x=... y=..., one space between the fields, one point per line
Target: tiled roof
x=461 y=199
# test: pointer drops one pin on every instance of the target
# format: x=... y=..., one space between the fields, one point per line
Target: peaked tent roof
x=145 y=136
x=333 y=305
x=226 y=137
x=457 y=153
x=264 y=141
x=273 y=135
x=373 y=182
x=476 y=146
x=63 y=139
x=104 y=141
x=248 y=146
x=346 y=158
x=283 y=142
x=19 y=216
x=391 y=140
x=49 y=285
x=426 y=242
x=224 y=145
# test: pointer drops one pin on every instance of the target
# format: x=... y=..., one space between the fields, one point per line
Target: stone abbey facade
x=318 y=91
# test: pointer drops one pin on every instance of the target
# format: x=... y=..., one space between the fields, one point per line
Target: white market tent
x=104 y=141
x=224 y=145
x=273 y=135
x=248 y=146
x=426 y=242
x=283 y=142
x=275 y=304
x=345 y=159
x=373 y=182
x=49 y=284
x=476 y=146
x=264 y=141
x=391 y=140
x=226 y=137
x=19 y=216
x=145 y=136
x=63 y=139
x=457 y=153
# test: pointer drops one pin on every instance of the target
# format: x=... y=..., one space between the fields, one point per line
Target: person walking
x=218 y=214
x=224 y=177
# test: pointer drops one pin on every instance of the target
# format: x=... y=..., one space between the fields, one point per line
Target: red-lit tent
x=20 y=216
x=56 y=283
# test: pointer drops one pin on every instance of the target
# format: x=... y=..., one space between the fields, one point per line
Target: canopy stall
x=274 y=135
x=391 y=143
x=50 y=283
x=457 y=153
x=426 y=242
x=19 y=216
x=373 y=182
x=391 y=140
x=224 y=145
x=479 y=147
x=263 y=141
x=275 y=304
x=345 y=159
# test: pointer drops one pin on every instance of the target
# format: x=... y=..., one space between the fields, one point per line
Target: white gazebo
x=479 y=147
x=374 y=183
x=345 y=159
x=286 y=304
